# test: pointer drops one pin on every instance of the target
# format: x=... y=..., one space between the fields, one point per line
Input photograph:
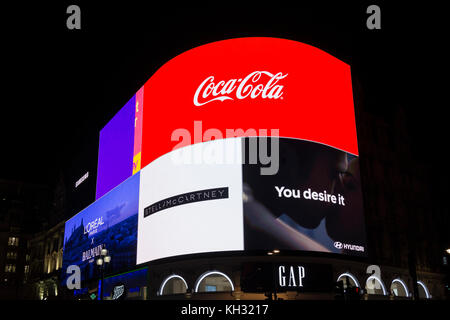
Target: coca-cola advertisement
x=254 y=83
x=251 y=144
x=240 y=88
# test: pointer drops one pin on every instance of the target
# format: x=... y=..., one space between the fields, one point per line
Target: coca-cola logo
x=257 y=84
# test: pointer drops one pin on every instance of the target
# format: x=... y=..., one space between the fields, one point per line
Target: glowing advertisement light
x=251 y=83
x=115 y=155
x=191 y=132
x=109 y=223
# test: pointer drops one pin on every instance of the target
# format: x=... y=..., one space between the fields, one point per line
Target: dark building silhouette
x=24 y=208
x=407 y=226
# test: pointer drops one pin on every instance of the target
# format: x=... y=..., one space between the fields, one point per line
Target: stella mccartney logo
x=249 y=87
x=185 y=198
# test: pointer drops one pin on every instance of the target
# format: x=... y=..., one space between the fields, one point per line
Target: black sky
x=64 y=85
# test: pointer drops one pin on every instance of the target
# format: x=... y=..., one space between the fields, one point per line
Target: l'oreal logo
x=240 y=88
x=92 y=226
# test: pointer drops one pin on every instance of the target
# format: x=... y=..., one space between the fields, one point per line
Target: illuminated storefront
x=233 y=173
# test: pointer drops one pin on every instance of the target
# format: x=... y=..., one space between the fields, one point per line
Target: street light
x=448 y=250
x=102 y=261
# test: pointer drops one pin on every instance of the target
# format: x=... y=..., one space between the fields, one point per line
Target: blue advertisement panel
x=124 y=286
x=111 y=223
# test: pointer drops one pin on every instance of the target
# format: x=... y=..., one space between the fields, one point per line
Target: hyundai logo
x=338 y=245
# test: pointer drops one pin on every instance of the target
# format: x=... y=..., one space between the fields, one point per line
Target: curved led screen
x=250 y=144
x=241 y=144
x=250 y=83
x=109 y=223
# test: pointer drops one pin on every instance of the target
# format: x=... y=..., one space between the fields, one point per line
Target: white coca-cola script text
x=252 y=86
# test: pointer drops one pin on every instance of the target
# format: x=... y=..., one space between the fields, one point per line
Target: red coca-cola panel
x=250 y=83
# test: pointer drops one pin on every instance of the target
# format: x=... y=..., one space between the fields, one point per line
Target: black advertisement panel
x=313 y=202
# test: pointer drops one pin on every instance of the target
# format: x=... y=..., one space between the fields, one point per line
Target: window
x=13 y=241
x=399 y=288
x=27 y=258
x=214 y=281
x=26 y=269
x=57 y=261
x=209 y=288
x=55 y=244
x=10 y=268
x=11 y=255
x=349 y=280
x=375 y=285
x=423 y=291
x=173 y=284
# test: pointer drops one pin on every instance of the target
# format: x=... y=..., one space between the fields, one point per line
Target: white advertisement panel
x=191 y=202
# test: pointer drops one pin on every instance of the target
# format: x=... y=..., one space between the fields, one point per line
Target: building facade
x=46 y=251
x=23 y=207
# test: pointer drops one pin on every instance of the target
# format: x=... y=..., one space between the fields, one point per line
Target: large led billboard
x=115 y=154
x=110 y=223
x=250 y=83
x=189 y=208
x=119 y=153
x=312 y=203
x=209 y=179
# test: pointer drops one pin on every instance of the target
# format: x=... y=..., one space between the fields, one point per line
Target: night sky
x=62 y=86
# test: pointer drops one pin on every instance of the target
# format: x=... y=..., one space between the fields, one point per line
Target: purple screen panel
x=115 y=154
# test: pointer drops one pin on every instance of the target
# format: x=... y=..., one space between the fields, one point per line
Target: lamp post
x=102 y=261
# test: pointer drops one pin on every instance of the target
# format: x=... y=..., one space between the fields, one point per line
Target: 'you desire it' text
x=308 y=194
